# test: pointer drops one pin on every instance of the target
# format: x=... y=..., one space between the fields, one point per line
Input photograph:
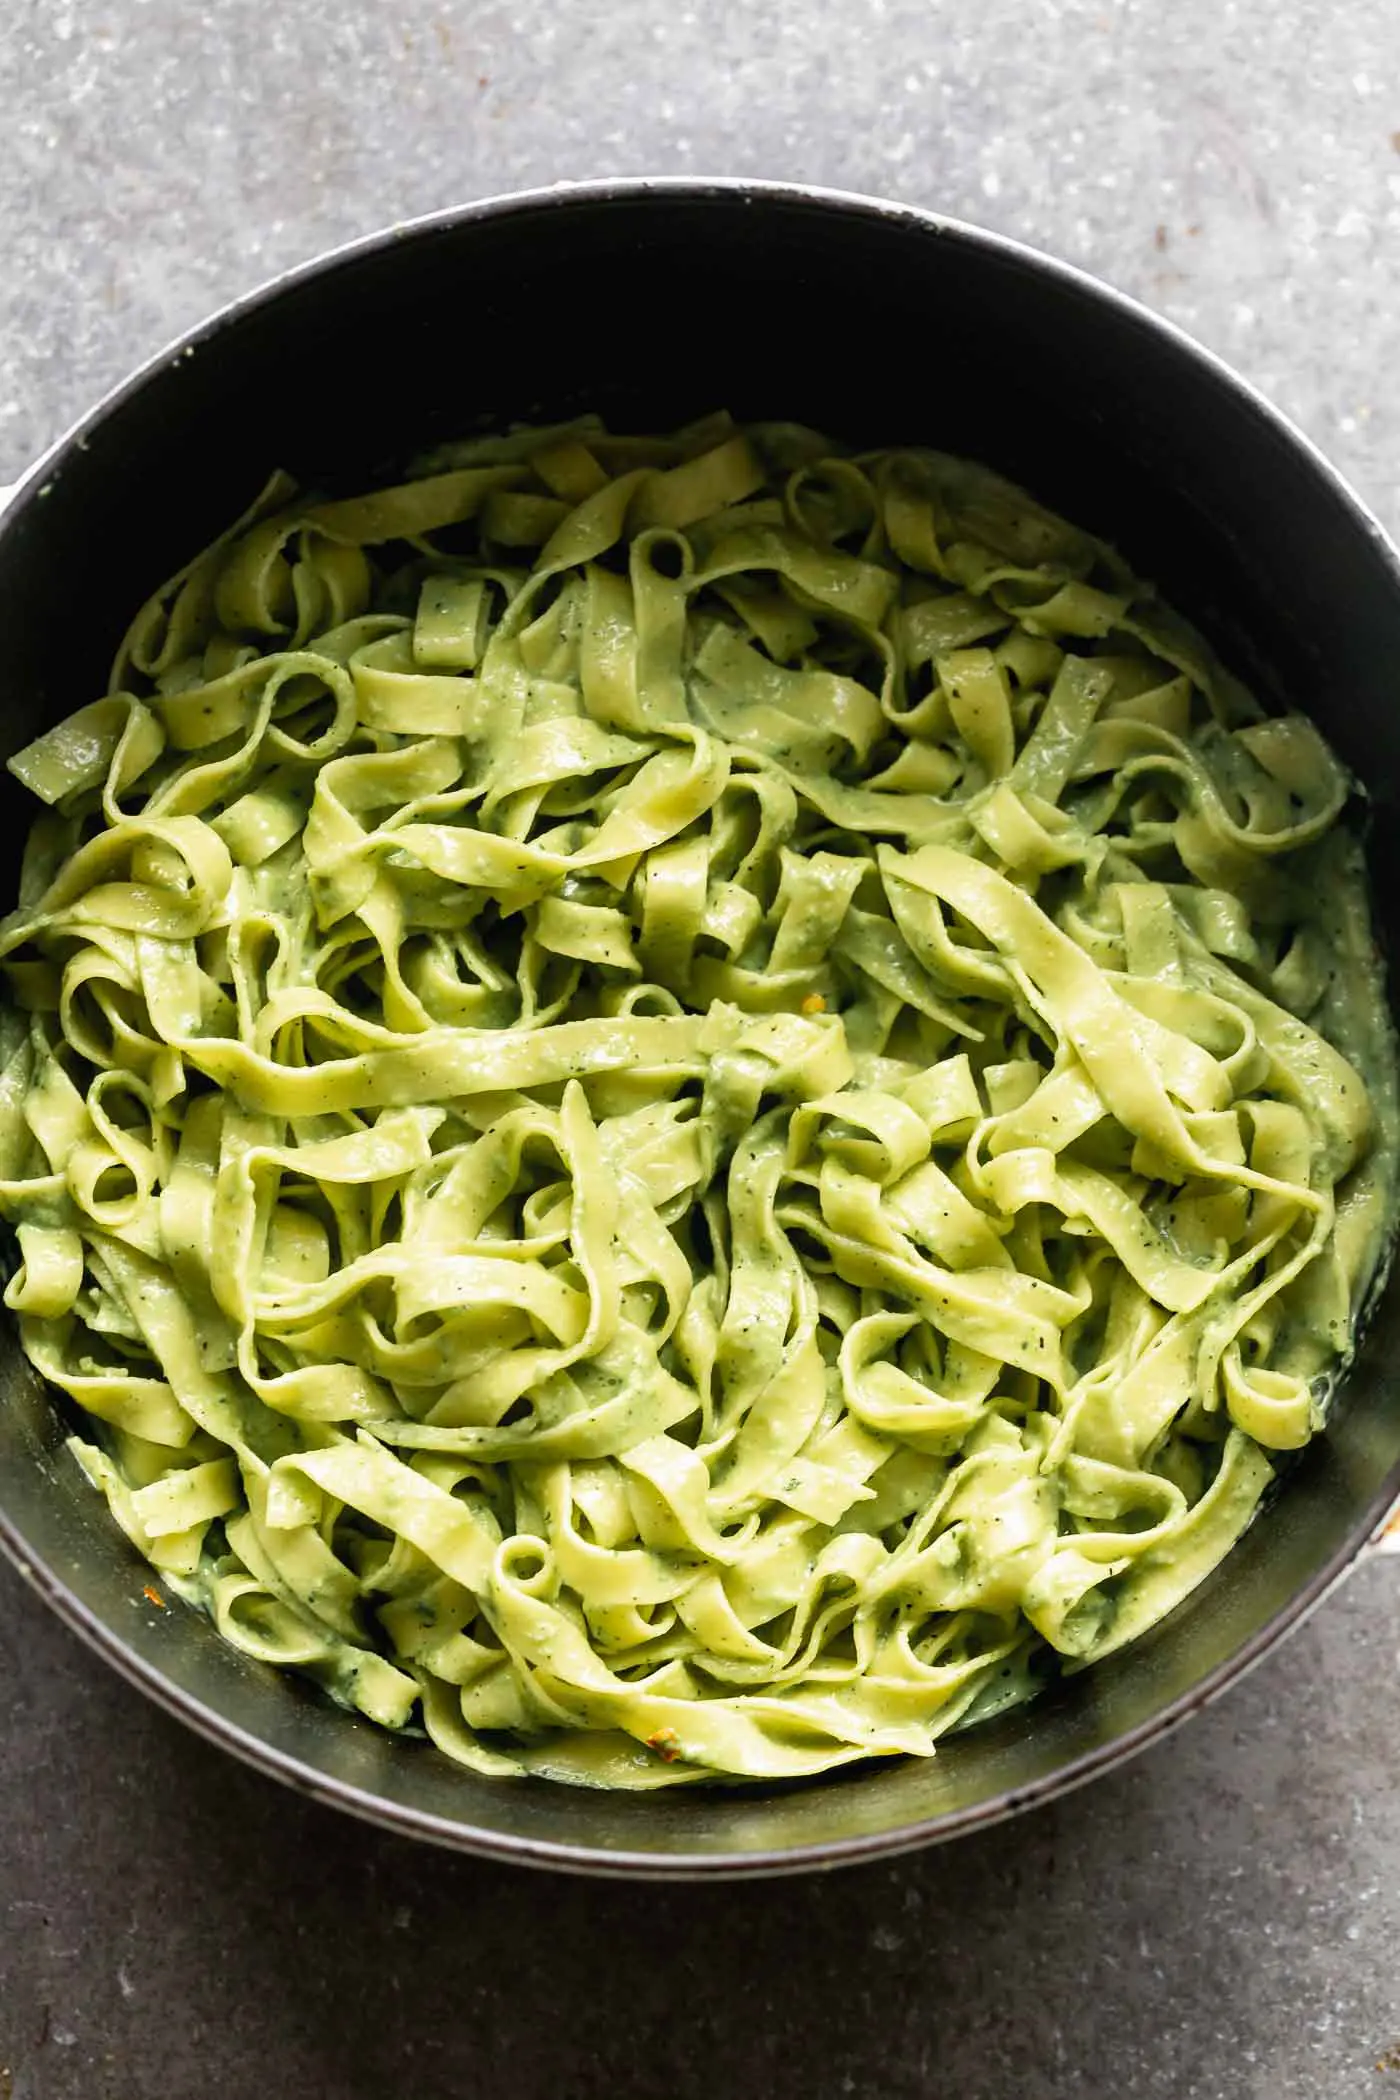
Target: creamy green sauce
x=685 y=1107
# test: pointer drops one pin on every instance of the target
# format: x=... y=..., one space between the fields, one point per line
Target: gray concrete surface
x=1222 y=1920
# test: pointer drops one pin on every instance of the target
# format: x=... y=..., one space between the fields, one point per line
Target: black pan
x=654 y=302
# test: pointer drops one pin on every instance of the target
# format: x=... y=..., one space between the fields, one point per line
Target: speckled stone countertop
x=1220 y=1921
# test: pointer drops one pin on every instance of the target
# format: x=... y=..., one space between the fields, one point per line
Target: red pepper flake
x=153 y=1596
x=666 y=1743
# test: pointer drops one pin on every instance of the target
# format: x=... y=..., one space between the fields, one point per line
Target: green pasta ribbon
x=685 y=1107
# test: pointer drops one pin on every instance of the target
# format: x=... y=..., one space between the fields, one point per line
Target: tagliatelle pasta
x=686 y=1107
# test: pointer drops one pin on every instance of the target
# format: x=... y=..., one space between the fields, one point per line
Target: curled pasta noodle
x=685 y=1107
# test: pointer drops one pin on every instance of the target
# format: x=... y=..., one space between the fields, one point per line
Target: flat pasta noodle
x=684 y=1108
